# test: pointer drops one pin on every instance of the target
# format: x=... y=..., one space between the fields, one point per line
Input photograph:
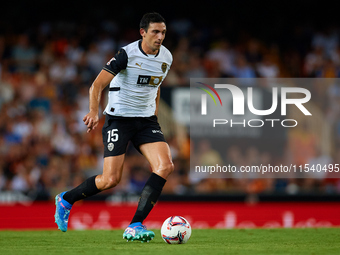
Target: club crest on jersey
x=164 y=67
x=110 y=146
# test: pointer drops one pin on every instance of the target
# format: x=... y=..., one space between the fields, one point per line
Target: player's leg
x=116 y=134
x=112 y=173
x=158 y=154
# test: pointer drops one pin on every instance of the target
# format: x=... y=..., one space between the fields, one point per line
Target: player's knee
x=110 y=182
x=170 y=167
x=166 y=169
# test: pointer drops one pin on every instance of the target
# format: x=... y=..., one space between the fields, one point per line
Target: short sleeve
x=117 y=63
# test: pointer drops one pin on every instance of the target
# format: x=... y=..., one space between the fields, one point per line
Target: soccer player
x=135 y=75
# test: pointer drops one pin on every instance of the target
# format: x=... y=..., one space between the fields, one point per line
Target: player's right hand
x=91 y=120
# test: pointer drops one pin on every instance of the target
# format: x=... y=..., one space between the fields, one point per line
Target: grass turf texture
x=202 y=241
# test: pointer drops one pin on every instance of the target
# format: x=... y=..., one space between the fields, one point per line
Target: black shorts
x=118 y=131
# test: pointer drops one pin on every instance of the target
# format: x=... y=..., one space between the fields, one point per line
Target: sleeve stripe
x=109 y=71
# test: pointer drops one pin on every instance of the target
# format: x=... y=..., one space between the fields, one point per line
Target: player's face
x=153 y=38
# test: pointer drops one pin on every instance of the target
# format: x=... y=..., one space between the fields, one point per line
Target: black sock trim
x=155 y=181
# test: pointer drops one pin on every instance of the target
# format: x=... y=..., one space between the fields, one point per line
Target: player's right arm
x=113 y=67
x=91 y=119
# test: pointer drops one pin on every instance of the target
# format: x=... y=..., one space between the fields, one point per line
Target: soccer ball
x=176 y=230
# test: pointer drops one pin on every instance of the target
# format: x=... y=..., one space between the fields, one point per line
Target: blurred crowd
x=46 y=71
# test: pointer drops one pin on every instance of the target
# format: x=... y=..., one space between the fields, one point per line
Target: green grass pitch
x=202 y=241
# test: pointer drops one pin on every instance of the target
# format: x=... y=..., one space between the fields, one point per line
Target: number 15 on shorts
x=112 y=135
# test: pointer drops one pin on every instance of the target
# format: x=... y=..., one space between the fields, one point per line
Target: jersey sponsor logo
x=164 y=67
x=149 y=80
x=143 y=79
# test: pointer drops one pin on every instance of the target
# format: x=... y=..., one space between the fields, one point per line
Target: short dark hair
x=152 y=17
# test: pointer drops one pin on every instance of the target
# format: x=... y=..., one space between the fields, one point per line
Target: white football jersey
x=133 y=90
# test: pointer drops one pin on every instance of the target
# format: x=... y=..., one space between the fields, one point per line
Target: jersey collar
x=140 y=48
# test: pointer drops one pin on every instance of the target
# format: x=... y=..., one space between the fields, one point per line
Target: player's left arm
x=157 y=100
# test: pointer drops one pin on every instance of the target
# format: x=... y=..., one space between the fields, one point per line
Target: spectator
x=224 y=55
x=267 y=68
x=24 y=55
x=242 y=69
